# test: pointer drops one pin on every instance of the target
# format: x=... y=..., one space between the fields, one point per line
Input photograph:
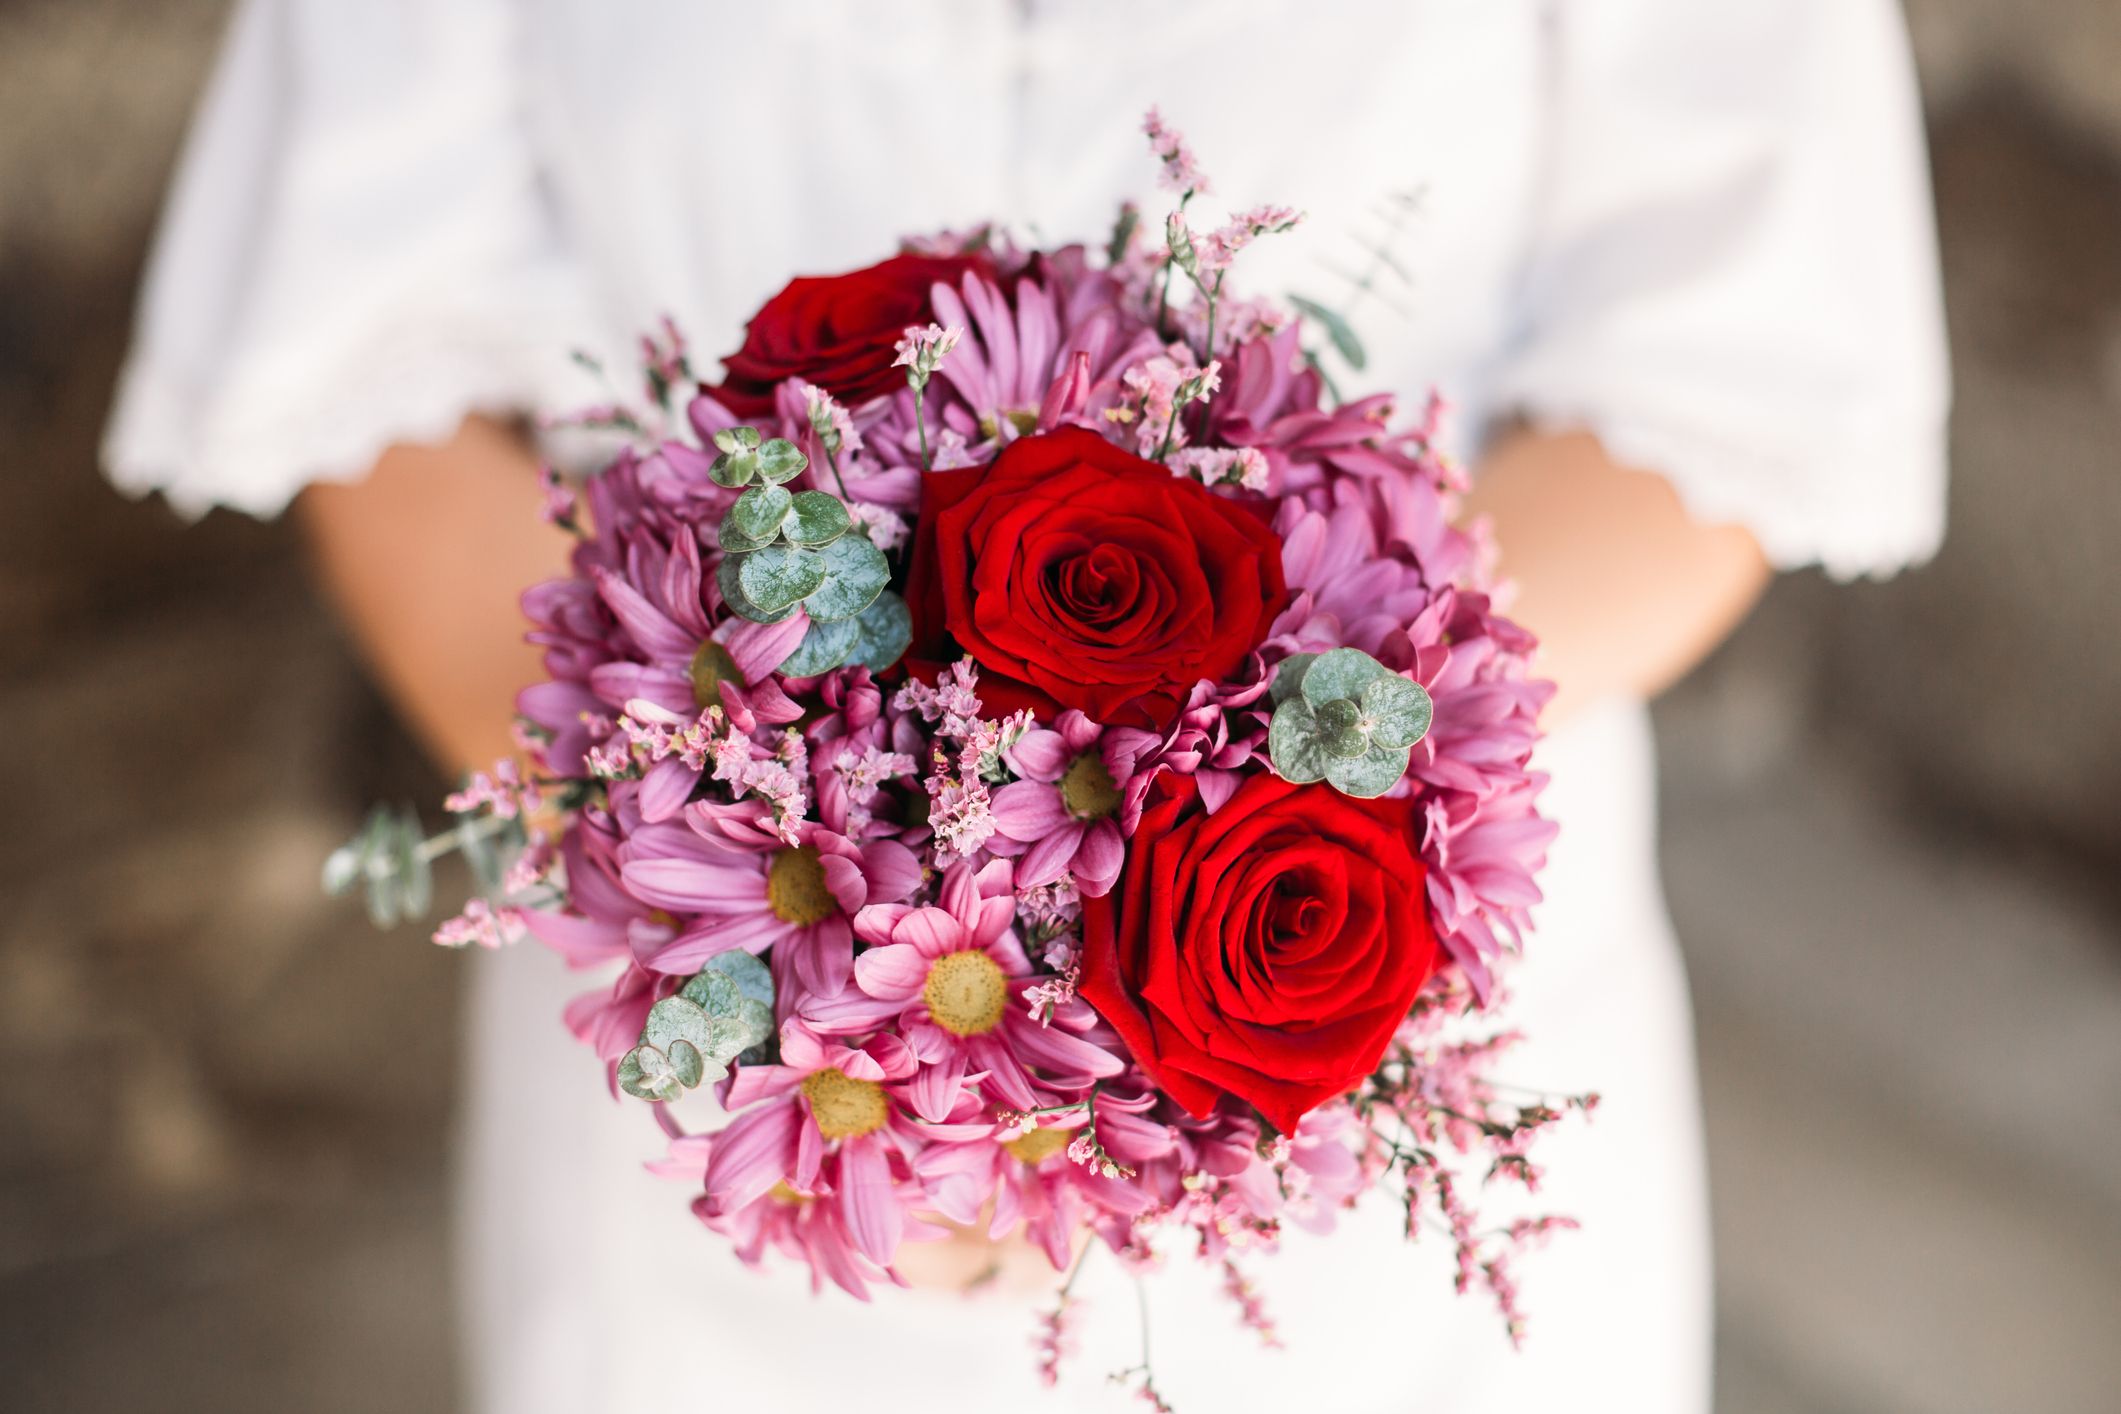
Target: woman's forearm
x=1625 y=591
x=425 y=559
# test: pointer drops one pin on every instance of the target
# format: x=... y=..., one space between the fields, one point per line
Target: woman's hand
x=1625 y=591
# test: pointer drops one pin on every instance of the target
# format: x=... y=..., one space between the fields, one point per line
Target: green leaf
x=687 y=1063
x=1289 y=678
x=780 y=576
x=734 y=468
x=886 y=633
x=1340 y=728
x=823 y=648
x=1370 y=774
x=1292 y=743
x=676 y=1019
x=1399 y=712
x=647 y=1074
x=855 y=573
x=752 y=977
x=819 y=519
x=1344 y=672
x=731 y=441
x=715 y=993
x=734 y=541
x=758 y=513
x=730 y=580
x=1337 y=329
x=781 y=459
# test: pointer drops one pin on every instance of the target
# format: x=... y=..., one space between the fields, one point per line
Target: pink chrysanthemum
x=948 y=976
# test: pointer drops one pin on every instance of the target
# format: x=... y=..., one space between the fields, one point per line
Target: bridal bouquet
x=1044 y=761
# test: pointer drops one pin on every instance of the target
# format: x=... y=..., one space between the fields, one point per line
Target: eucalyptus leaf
x=1370 y=774
x=756 y=1017
x=823 y=648
x=1344 y=672
x=734 y=541
x=1342 y=714
x=648 y=1074
x=886 y=632
x=780 y=577
x=1337 y=329
x=1292 y=743
x=819 y=519
x=758 y=513
x=732 y=440
x=1398 y=711
x=686 y=1063
x=855 y=574
x=676 y=1019
x=1289 y=678
x=734 y=468
x=752 y=976
x=781 y=459
x=715 y=993
x=729 y=579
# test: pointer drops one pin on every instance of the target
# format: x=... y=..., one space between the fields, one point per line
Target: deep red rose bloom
x=837 y=331
x=1267 y=951
x=1079 y=575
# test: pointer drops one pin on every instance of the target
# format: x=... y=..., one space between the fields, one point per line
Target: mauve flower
x=822 y=1124
x=1063 y=816
x=735 y=882
x=1026 y=1177
x=948 y=977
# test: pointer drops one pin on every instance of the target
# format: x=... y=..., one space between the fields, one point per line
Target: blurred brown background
x=1893 y=846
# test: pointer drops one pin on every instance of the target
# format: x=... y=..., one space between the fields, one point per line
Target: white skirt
x=590 y=1287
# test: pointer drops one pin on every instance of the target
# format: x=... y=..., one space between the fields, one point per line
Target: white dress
x=1701 y=230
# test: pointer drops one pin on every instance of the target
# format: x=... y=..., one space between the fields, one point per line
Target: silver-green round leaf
x=1399 y=712
x=729 y=579
x=856 y=572
x=733 y=468
x=1370 y=774
x=780 y=459
x=752 y=976
x=731 y=440
x=1289 y=677
x=781 y=576
x=1344 y=672
x=819 y=519
x=824 y=647
x=1292 y=743
x=886 y=633
x=758 y=513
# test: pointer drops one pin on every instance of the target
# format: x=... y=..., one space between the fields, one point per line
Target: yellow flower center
x=966 y=993
x=843 y=1107
x=711 y=667
x=795 y=888
x=782 y=1193
x=1087 y=788
x=1040 y=1144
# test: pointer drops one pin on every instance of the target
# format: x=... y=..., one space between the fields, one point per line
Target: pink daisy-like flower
x=737 y=883
x=1064 y=815
x=950 y=976
x=1029 y=1178
x=830 y=1134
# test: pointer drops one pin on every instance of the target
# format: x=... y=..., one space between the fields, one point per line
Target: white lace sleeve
x=357 y=251
x=1735 y=281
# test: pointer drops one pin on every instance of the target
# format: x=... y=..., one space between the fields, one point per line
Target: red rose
x=1092 y=578
x=1267 y=951
x=837 y=331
